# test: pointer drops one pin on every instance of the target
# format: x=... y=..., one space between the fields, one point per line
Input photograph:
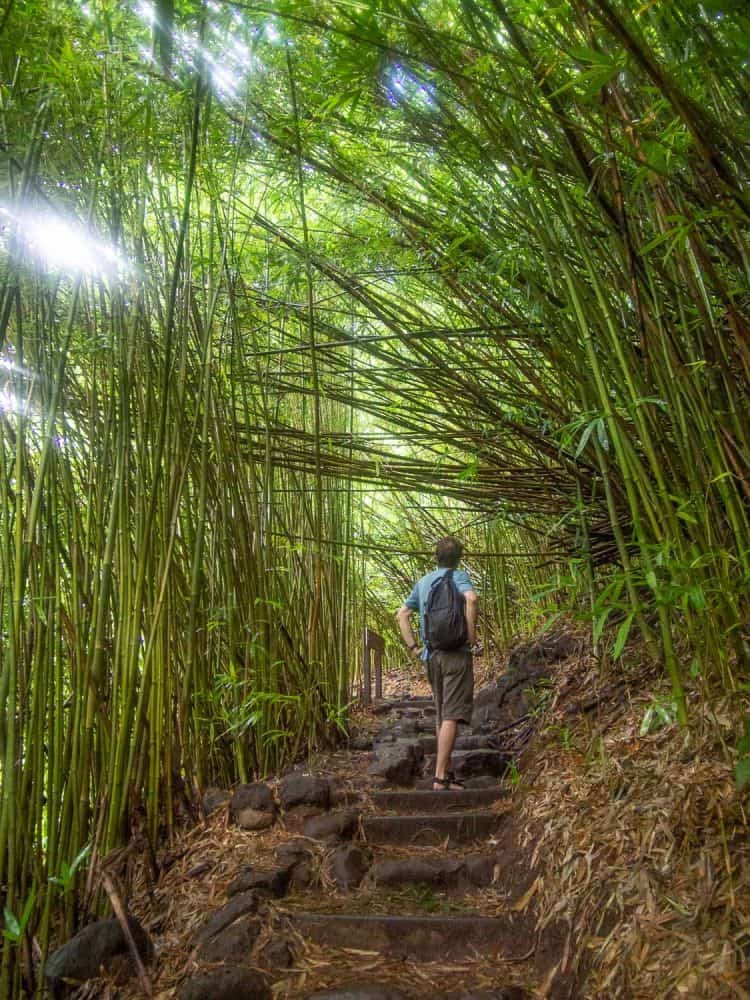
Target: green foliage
x=15 y=927
x=66 y=879
x=660 y=713
x=742 y=767
x=493 y=266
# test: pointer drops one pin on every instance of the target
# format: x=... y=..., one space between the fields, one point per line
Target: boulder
x=364 y=992
x=94 y=948
x=482 y=781
x=292 y=852
x=225 y=983
x=504 y=702
x=479 y=870
x=436 y=872
x=361 y=743
x=278 y=954
x=233 y=944
x=551 y=648
x=474 y=763
x=253 y=819
x=332 y=827
x=304 y=790
x=223 y=918
x=348 y=866
x=214 y=798
x=475 y=743
x=296 y=857
x=398 y=762
x=275 y=882
x=503 y=993
x=253 y=807
x=302 y=876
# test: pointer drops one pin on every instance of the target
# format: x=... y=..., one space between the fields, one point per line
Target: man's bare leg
x=446 y=739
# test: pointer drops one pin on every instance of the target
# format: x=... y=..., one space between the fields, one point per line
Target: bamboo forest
x=289 y=291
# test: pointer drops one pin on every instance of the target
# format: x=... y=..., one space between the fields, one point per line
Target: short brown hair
x=448 y=552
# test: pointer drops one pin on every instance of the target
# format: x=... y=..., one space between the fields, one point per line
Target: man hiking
x=447 y=606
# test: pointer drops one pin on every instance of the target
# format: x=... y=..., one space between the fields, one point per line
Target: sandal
x=448 y=783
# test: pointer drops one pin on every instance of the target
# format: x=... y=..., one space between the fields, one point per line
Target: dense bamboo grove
x=487 y=259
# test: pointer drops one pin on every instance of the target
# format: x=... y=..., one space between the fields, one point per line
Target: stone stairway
x=387 y=869
x=415 y=818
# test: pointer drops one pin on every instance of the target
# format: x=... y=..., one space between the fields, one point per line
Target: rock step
x=436 y=938
x=387 y=991
x=428 y=742
x=468 y=872
x=427 y=800
x=426 y=705
x=429 y=829
x=472 y=763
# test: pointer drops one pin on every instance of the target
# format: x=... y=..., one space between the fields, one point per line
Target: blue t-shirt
x=417 y=599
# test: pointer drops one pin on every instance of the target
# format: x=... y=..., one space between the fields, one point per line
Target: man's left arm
x=471 y=608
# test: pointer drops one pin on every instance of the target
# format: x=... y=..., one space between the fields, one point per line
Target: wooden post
x=366 y=690
x=371 y=641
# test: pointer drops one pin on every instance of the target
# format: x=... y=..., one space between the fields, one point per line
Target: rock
x=275 y=882
x=343 y=796
x=437 y=872
x=234 y=944
x=475 y=743
x=296 y=857
x=257 y=795
x=304 y=790
x=278 y=954
x=503 y=703
x=348 y=866
x=354 y=992
x=361 y=743
x=482 y=781
x=214 y=798
x=302 y=876
x=292 y=852
x=202 y=869
x=479 y=870
x=332 y=827
x=471 y=763
x=551 y=648
x=95 y=946
x=252 y=819
x=397 y=763
x=253 y=806
x=226 y=983
x=504 y=993
x=295 y=818
x=223 y=918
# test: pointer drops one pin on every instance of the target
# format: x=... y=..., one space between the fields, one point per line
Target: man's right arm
x=472 y=608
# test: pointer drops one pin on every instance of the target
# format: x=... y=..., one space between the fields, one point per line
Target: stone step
x=427 y=801
x=427 y=706
x=437 y=938
x=482 y=781
x=466 y=872
x=356 y=989
x=429 y=743
x=472 y=763
x=458 y=827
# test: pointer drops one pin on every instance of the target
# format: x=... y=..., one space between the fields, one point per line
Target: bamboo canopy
x=287 y=289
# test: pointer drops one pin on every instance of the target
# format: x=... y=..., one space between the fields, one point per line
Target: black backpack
x=444 y=615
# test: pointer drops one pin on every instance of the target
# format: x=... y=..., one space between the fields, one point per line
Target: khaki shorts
x=451 y=678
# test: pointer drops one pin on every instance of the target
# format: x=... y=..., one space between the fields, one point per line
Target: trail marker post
x=372 y=643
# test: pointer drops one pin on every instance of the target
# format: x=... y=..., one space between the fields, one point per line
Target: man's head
x=448 y=552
